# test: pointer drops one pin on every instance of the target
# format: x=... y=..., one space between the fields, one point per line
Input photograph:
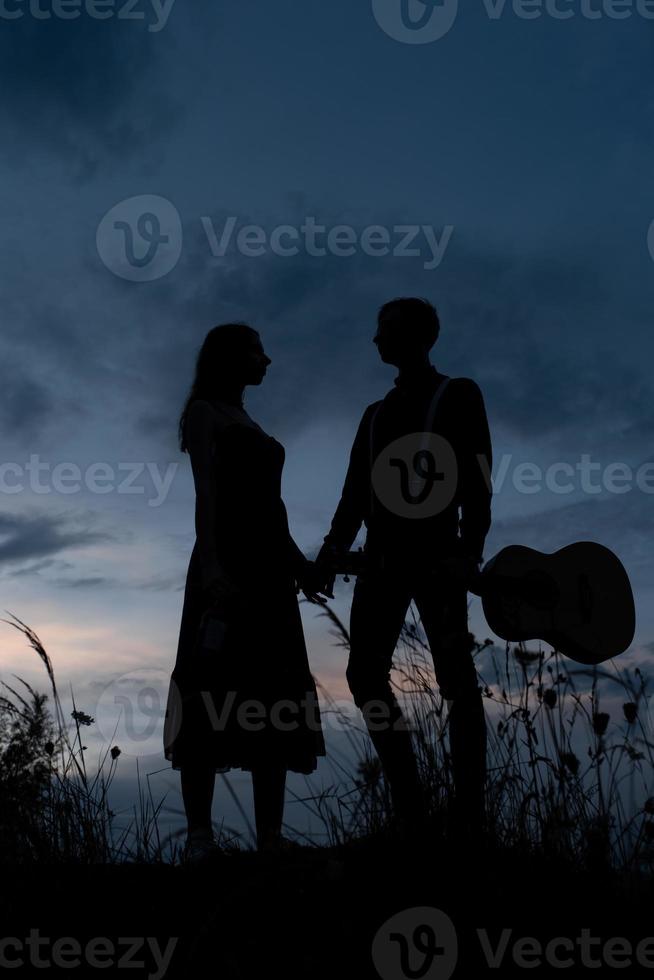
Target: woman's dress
x=253 y=702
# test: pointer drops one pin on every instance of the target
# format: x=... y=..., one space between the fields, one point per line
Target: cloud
x=59 y=570
x=24 y=536
x=90 y=581
x=533 y=329
x=624 y=523
x=26 y=402
x=39 y=566
x=542 y=380
x=91 y=89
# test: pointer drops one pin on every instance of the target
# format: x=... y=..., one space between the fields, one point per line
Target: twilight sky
x=517 y=149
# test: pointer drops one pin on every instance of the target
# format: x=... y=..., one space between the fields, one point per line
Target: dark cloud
x=89 y=88
x=60 y=576
x=162 y=584
x=545 y=364
x=38 y=566
x=91 y=581
x=622 y=522
x=26 y=402
x=25 y=536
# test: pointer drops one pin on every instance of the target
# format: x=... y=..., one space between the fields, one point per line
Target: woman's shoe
x=200 y=846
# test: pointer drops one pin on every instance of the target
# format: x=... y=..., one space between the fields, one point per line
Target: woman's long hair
x=214 y=365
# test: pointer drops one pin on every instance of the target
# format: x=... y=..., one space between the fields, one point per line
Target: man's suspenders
x=428 y=429
x=431 y=415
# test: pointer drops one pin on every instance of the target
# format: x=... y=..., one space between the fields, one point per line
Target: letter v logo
x=416 y=21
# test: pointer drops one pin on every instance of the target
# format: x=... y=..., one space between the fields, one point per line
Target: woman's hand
x=310 y=580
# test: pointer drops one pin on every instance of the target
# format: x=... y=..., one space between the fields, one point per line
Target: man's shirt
x=461 y=420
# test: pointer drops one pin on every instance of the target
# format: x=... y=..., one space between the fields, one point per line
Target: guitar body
x=578 y=599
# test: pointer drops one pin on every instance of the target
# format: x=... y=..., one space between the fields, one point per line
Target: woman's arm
x=296 y=557
x=307 y=577
x=299 y=562
x=200 y=422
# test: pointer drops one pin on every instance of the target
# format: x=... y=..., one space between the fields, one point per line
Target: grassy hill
x=564 y=857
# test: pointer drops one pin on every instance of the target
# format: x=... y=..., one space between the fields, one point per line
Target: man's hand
x=462 y=571
x=470 y=572
x=474 y=575
x=327 y=563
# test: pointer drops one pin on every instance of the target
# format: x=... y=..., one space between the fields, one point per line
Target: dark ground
x=315 y=912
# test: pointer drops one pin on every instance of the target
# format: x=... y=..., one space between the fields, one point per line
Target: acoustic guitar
x=578 y=599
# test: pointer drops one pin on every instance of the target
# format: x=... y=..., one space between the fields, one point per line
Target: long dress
x=253 y=703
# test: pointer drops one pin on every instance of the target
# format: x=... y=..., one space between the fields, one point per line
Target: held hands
x=316 y=579
x=327 y=563
x=310 y=580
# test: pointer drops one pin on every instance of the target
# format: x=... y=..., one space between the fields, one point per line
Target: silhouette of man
x=408 y=537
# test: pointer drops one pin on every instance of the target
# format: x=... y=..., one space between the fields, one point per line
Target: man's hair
x=419 y=315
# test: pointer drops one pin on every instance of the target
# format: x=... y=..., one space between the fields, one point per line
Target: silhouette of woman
x=251 y=703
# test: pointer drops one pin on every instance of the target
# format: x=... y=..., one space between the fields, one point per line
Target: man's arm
x=353 y=505
x=476 y=463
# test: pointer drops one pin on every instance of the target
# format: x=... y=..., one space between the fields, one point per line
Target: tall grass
x=53 y=809
x=567 y=778
x=570 y=756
